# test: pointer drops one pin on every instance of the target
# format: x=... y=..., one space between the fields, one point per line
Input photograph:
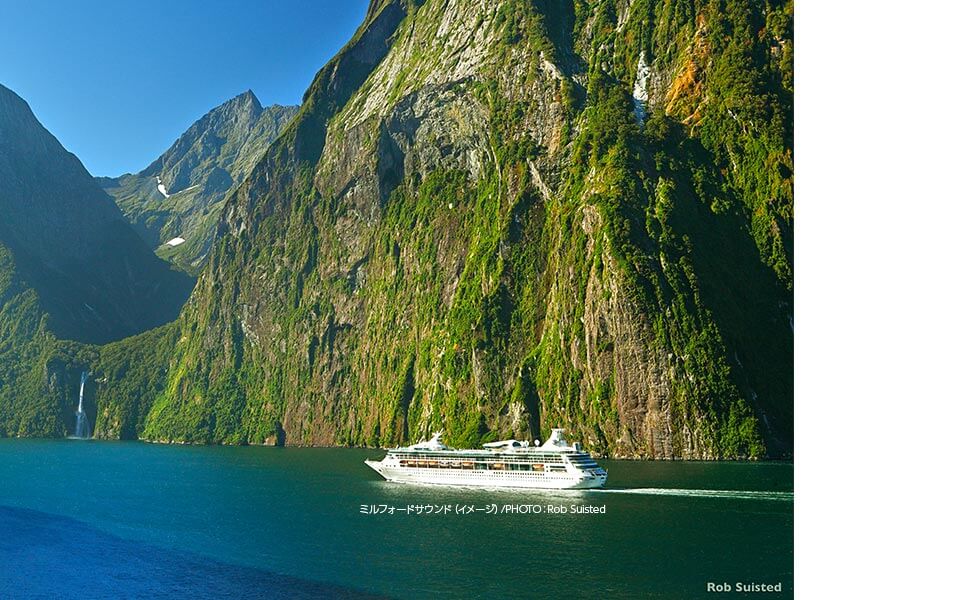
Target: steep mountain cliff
x=496 y=217
x=94 y=278
x=180 y=195
x=71 y=268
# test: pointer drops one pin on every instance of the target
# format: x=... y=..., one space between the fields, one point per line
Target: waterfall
x=640 y=97
x=83 y=426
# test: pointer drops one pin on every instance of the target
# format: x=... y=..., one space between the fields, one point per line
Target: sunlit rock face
x=181 y=193
x=471 y=226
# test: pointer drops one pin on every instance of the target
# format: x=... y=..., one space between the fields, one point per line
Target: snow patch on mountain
x=162 y=188
x=192 y=187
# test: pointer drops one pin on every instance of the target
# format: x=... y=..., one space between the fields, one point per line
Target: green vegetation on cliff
x=483 y=227
x=40 y=374
x=130 y=374
x=71 y=268
x=23 y=342
x=497 y=219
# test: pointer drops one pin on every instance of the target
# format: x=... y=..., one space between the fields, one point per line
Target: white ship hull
x=488 y=479
x=505 y=464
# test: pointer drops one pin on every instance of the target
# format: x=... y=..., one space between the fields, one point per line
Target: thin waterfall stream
x=82 y=430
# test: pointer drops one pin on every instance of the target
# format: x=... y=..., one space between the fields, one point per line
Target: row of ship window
x=480 y=466
x=531 y=458
x=488 y=473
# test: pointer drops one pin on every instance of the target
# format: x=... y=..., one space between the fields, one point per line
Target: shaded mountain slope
x=95 y=279
x=71 y=268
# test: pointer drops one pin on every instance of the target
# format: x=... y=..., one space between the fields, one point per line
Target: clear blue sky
x=116 y=81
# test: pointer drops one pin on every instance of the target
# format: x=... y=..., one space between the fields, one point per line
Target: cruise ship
x=509 y=463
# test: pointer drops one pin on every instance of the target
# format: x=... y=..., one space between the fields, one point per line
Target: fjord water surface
x=126 y=519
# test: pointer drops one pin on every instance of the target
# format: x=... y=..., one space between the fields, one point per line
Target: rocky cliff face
x=180 y=195
x=494 y=218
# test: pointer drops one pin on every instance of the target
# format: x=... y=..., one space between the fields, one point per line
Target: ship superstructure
x=509 y=463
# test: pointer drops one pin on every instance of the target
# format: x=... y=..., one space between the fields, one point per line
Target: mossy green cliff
x=493 y=218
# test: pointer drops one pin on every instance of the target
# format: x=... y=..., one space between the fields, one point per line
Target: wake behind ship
x=509 y=463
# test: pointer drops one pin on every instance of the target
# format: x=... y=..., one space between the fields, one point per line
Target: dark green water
x=118 y=519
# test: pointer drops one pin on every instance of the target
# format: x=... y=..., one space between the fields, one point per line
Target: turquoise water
x=122 y=519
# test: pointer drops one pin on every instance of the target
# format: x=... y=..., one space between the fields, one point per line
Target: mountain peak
x=10 y=94
x=248 y=97
x=418 y=124
x=214 y=154
x=15 y=114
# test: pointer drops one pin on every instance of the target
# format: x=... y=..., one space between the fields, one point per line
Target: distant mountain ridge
x=178 y=197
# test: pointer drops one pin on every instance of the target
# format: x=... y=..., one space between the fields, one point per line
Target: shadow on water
x=81 y=561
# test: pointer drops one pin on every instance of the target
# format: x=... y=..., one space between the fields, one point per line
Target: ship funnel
x=556 y=439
